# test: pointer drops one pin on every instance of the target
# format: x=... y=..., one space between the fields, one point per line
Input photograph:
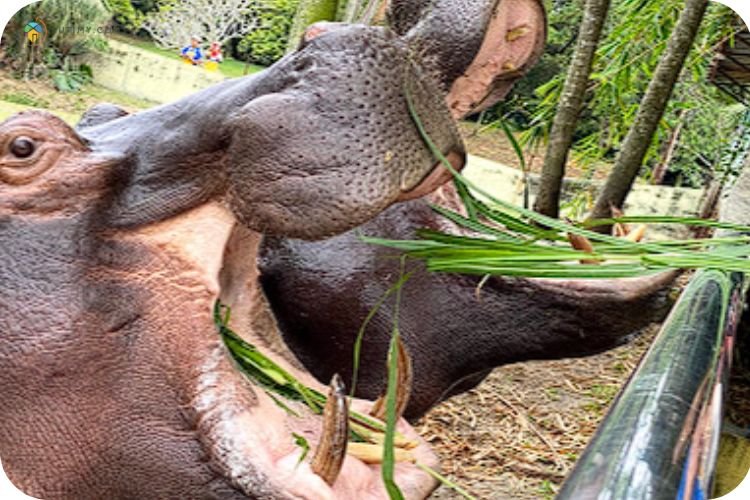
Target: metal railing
x=659 y=439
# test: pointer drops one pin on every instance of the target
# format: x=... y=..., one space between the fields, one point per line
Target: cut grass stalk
x=389 y=455
x=447 y=482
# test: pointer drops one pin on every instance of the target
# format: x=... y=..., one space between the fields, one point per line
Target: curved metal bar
x=641 y=450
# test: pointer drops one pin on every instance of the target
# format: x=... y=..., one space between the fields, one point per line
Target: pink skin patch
x=514 y=38
x=436 y=178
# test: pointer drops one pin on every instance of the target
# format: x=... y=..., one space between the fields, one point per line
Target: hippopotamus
x=119 y=237
x=455 y=328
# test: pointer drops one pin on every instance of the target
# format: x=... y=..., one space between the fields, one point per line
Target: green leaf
x=302 y=443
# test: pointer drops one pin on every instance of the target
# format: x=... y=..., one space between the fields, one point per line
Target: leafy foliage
x=635 y=37
x=514 y=241
x=267 y=43
x=125 y=14
x=73 y=28
x=71 y=79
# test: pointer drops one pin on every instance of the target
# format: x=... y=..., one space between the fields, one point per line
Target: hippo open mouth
x=119 y=238
x=227 y=410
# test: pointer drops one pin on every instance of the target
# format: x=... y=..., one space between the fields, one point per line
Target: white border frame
x=9 y=7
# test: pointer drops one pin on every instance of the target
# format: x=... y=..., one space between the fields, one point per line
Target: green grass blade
x=663 y=219
x=389 y=454
x=446 y=482
x=361 y=333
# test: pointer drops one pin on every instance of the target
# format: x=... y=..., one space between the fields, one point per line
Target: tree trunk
x=674 y=138
x=569 y=108
x=654 y=103
x=709 y=208
x=309 y=12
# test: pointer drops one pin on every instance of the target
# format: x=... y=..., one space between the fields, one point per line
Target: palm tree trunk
x=638 y=140
x=569 y=108
x=348 y=10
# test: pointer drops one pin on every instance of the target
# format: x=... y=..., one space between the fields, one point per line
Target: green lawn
x=231 y=68
x=8 y=108
x=15 y=97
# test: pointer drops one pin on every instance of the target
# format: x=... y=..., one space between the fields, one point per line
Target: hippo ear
x=100 y=113
x=337 y=143
x=477 y=48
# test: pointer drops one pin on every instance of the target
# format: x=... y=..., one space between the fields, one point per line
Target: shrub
x=125 y=14
x=24 y=99
x=267 y=44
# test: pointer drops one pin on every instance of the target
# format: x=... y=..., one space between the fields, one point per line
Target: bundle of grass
x=514 y=241
x=371 y=439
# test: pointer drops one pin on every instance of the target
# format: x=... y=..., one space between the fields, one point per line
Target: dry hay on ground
x=494 y=145
x=520 y=432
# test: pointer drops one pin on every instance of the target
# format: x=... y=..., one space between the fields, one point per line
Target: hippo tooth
x=329 y=457
x=373 y=453
x=403 y=385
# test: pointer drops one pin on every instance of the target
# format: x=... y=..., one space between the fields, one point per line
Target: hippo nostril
x=22 y=147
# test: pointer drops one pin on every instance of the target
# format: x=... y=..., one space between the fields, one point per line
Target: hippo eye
x=22 y=147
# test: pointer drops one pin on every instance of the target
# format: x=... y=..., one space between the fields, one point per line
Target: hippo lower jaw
x=247 y=436
x=251 y=442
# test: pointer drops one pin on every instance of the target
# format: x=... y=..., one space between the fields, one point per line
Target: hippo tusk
x=329 y=457
x=403 y=385
x=620 y=229
x=583 y=244
x=637 y=234
x=373 y=453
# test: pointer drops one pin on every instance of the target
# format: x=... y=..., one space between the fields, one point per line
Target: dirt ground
x=494 y=145
x=519 y=433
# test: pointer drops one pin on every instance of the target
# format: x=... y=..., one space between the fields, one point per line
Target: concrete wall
x=507 y=184
x=147 y=75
